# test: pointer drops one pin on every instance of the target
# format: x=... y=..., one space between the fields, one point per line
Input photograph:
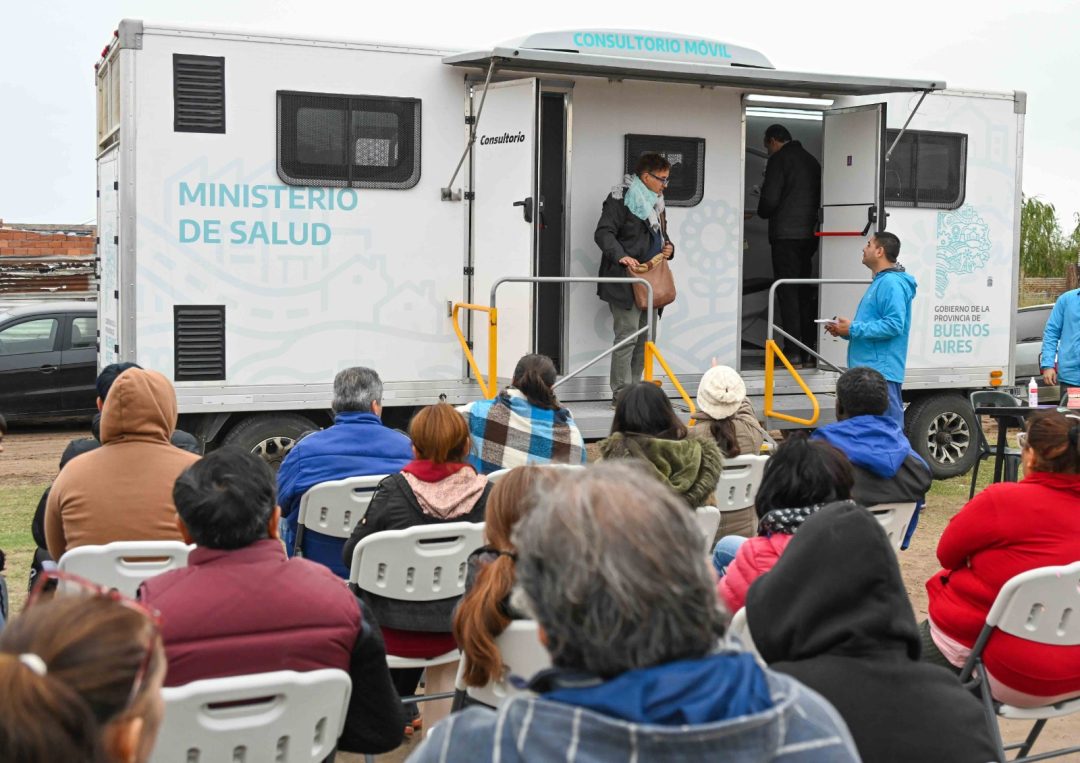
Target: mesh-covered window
x=348 y=140
x=687 y=157
x=926 y=169
x=198 y=93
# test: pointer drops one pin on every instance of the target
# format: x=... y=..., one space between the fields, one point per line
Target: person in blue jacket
x=1060 y=358
x=357 y=445
x=878 y=334
x=887 y=469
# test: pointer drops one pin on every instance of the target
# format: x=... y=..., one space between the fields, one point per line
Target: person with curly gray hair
x=610 y=565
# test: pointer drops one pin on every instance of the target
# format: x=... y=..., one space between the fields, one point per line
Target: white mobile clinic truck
x=273 y=209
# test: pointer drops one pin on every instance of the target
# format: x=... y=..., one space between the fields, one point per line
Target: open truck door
x=505 y=215
x=852 y=208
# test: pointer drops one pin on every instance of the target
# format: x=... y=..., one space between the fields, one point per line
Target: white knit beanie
x=721 y=392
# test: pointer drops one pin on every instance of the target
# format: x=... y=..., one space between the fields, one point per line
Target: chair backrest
x=333 y=508
x=286 y=717
x=708 y=519
x=499 y=474
x=895 y=518
x=740 y=628
x=422 y=563
x=739 y=482
x=1041 y=605
x=123 y=565
x=522 y=655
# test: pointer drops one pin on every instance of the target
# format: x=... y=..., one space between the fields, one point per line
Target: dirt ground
x=31 y=456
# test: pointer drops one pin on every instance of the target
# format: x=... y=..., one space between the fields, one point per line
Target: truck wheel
x=943 y=430
x=270 y=435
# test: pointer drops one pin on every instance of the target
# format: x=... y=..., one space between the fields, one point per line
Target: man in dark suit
x=790 y=199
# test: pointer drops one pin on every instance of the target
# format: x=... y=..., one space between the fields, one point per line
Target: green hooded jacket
x=690 y=467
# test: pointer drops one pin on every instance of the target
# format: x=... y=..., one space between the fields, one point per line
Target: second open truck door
x=852 y=208
x=505 y=214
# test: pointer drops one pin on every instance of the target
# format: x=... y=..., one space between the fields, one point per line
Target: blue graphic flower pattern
x=963 y=245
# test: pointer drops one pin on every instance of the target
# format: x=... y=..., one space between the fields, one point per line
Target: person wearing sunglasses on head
x=1007 y=529
x=81 y=677
x=632 y=230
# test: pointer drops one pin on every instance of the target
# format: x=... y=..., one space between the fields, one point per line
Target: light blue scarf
x=639 y=199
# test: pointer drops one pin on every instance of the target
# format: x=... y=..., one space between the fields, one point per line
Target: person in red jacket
x=242 y=606
x=800 y=478
x=1009 y=528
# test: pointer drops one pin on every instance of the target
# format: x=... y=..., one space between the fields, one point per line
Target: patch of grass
x=17 y=504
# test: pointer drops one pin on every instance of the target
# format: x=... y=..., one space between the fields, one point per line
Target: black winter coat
x=394 y=507
x=791 y=194
x=833 y=613
x=620 y=233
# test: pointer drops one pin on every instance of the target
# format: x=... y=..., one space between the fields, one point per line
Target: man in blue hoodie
x=1060 y=357
x=879 y=332
x=887 y=470
x=609 y=564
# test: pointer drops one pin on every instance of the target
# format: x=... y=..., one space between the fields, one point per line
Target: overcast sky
x=49 y=49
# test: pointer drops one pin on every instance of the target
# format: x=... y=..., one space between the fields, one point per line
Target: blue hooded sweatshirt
x=1061 y=339
x=879 y=331
x=878 y=445
x=685 y=692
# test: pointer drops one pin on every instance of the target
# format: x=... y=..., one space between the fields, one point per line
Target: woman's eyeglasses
x=663 y=181
x=52 y=583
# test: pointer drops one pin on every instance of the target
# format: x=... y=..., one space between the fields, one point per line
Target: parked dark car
x=48 y=360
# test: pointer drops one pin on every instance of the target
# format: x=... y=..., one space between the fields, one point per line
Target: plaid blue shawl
x=510 y=431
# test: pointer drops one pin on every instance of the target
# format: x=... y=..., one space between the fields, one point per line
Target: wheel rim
x=273 y=450
x=948 y=438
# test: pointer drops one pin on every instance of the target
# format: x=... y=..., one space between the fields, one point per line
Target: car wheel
x=943 y=429
x=270 y=435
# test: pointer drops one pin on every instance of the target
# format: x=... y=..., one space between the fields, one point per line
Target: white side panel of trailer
x=362 y=277
x=964 y=259
x=703 y=321
x=108 y=253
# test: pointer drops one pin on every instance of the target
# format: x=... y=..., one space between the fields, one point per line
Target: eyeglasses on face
x=663 y=181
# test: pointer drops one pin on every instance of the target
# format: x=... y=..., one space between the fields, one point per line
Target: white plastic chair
x=1041 y=606
x=895 y=518
x=708 y=519
x=422 y=563
x=522 y=655
x=123 y=565
x=499 y=474
x=739 y=628
x=739 y=481
x=333 y=508
x=286 y=717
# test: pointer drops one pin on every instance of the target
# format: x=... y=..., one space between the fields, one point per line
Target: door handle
x=871 y=218
x=527 y=208
x=48 y=369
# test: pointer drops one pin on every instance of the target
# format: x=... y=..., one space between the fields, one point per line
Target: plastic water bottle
x=1033 y=393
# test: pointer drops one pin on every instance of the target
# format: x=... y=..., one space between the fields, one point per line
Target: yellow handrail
x=772 y=351
x=490 y=389
x=651 y=353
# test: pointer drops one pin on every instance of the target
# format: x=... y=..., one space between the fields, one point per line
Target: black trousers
x=794 y=258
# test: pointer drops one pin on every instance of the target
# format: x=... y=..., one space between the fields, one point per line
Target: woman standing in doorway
x=632 y=230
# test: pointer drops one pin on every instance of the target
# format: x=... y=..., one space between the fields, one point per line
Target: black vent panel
x=199 y=342
x=198 y=93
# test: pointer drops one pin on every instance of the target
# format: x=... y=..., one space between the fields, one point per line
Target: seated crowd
x=606 y=561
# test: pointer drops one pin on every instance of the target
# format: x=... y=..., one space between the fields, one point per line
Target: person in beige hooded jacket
x=122 y=490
